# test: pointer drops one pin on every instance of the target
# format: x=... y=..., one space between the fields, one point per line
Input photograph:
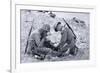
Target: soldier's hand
x=44 y=34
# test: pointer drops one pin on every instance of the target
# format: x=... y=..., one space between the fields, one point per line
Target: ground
x=37 y=19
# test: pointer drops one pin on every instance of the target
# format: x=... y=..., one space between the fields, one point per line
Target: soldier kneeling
x=36 y=42
x=67 y=42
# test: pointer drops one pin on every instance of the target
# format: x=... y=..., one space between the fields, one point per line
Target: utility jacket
x=67 y=38
x=35 y=40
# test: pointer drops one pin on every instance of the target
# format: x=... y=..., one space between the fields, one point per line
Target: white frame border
x=62 y=64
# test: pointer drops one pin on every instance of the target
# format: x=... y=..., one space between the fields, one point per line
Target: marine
x=67 y=42
x=37 y=40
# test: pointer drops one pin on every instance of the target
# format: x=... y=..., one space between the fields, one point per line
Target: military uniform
x=36 y=43
x=67 y=42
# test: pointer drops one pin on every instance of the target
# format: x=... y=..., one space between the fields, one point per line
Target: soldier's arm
x=39 y=42
x=63 y=39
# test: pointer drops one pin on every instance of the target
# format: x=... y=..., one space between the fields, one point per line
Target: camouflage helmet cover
x=46 y=27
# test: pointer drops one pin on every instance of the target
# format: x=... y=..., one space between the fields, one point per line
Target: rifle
x=28 y=38
x=69 y=28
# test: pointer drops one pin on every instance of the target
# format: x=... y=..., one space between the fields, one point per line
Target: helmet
x=46 y=27
x=52 y=14
x=56 y=25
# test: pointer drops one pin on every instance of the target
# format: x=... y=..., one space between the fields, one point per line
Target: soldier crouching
x=36 y=42
x=67 y=42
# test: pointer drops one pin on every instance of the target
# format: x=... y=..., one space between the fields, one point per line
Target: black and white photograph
x=49 y=36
